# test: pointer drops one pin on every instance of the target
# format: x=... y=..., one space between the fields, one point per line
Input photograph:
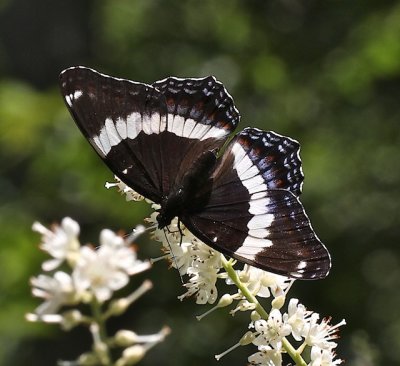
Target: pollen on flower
x=321 y=334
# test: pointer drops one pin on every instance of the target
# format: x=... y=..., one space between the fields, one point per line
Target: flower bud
x=118 y=306
x=124 y=338
x=247 y=338
x=278 y=302
x=101 y=350
x=131 y=355
x=244 y=276
x=225 y=300
x=255 y=316
x=88 y=359
x=86 y=297
x=71 y=319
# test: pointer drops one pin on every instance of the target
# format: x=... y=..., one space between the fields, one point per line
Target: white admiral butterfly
x=168 y=141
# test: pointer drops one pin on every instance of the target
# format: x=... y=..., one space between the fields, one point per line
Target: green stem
x=291 y=351
x=243 y=289
x=99 y=320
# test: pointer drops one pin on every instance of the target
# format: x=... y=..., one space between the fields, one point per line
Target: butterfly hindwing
x=253 y=222
x=276 y=157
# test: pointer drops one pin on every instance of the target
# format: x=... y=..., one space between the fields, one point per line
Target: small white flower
x=320 y=334
x=130 y=194
x=266 y=357
x=60 y=243
x=178 y=249
x=204 y=256
x=203 y=272
x=57 y=291
x=296 y=317
x=192 y=257
x=180 y=256
x=271 y=331
x=121 y=255
x=107 y=269
x=263 y=283
x=323 y=357
x=244 y=305
x=202 y=284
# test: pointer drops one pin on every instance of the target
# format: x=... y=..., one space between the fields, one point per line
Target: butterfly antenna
x=172 y=252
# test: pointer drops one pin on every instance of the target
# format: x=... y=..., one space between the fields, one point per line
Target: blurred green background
x=326 y=73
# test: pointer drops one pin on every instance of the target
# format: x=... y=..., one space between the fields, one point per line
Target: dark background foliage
x=326 y=73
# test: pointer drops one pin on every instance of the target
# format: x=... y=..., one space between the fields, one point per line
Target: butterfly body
x=169 y=142
x=191 y=193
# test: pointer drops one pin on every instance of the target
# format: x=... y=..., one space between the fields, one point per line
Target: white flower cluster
x=204 y=266
x=303 y=326
x=191 y=257
x=84 y=274
x=96 y=272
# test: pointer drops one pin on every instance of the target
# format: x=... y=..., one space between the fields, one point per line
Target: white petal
x=71 y=227
x=51 y=264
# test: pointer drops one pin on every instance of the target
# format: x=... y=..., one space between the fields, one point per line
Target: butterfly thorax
x=191 y=193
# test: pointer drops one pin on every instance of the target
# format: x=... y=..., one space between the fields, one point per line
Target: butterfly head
x=169 y=209
x=163 y=219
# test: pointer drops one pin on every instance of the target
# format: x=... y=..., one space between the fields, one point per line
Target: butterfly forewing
x=202 y=114
x=204 y=101
x=114 y=115
x=149 y=135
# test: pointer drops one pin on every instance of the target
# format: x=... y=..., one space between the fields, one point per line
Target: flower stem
x=99 y=334
x=228 y=266
x=243 y=289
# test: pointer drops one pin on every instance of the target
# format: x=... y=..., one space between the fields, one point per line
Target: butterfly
x=169 y=142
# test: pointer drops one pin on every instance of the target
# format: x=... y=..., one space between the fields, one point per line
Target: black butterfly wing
x=253 y=214
x=114 y=115
x=201 y=115
x=148 y=135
